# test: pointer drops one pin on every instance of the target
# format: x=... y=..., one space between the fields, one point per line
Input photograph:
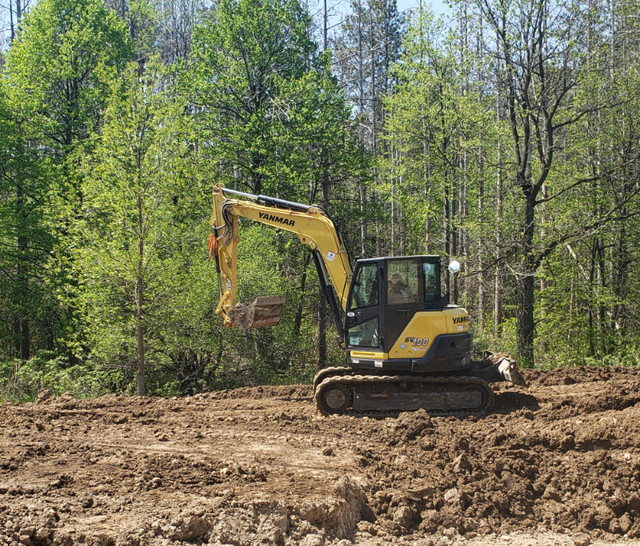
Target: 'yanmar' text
x=460 y=320
x=274 y=218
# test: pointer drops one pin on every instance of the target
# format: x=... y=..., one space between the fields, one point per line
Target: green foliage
x=56 y=81
x=106 y=168
x=442 y=136
x=22 y=381
x=458 y=178
x=25 y=240
x=60 y=66
x=134 y=180
x=265 y=103
x=272 y=263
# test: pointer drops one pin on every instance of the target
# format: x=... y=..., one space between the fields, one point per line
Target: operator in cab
x=398 y=291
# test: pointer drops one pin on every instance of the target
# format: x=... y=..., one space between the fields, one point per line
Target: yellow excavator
x=407 y=347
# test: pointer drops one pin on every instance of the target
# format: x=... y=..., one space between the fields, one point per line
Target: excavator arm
x=310 y=223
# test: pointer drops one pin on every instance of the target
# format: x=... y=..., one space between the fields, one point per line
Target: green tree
x=273 y=120
x=134 y=180
x=56 y=82
x=24 y=242
x=541 y=70
x=368 y=44
x=599 y=291
x=242 y=58
x=438 y=129
x=60 y=67
x=524 y=155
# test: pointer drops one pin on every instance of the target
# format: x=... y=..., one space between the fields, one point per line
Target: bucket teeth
x=509 y=370
x=264 y=311
x=507 y=367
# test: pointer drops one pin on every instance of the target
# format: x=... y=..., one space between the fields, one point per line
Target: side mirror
x=454 y=266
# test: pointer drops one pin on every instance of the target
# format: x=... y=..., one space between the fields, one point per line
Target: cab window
x=431 y=273
x=365 y=334
x=365 y=291
x=402 y=282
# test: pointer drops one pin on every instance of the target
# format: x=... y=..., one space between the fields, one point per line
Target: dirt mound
x=558 y=462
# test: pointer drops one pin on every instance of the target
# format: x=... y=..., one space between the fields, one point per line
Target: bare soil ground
x=558 y=462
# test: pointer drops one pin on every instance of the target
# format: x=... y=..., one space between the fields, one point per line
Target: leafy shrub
x=23 y=381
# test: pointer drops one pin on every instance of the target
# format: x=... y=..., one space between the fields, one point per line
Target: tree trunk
x=322 y=333
x=140 y=303
x=140 y=334
x=525 y=320
x=22 y=337
x=322 y=304
x=526 y=286
x=23 y=330
x=361 y=105
x=297 y=321
x=325 y=27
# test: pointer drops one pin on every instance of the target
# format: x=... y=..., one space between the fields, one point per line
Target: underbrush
x=22 y=381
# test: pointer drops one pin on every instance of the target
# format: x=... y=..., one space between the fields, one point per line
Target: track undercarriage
x=343 y=391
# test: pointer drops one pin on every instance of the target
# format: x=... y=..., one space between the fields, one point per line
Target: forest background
x=505 y=135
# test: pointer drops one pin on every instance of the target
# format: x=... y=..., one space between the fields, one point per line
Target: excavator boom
x=314 y=228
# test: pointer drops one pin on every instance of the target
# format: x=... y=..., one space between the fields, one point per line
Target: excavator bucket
x=506 y=367
x=264 y=311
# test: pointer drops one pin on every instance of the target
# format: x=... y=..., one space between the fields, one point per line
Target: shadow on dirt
x=507 y=402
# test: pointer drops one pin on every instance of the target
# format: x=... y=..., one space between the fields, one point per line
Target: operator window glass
x=365 y=287
x=365 y=334
x=402 y=282
x=431 y=282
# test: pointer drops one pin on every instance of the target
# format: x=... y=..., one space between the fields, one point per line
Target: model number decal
x=418 y=341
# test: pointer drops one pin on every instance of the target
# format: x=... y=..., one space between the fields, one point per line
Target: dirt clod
x=558 y=462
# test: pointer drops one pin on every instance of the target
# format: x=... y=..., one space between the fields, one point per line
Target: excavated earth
x=557 y=462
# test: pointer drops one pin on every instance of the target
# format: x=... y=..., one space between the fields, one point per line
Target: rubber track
x=361 y=379
x=335 y=371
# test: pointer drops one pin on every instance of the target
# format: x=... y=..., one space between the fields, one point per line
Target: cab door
x=363 y=323
x=405 y=295
x=412 y=286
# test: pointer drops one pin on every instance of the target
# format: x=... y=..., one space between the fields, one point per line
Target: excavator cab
x=385 y=294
